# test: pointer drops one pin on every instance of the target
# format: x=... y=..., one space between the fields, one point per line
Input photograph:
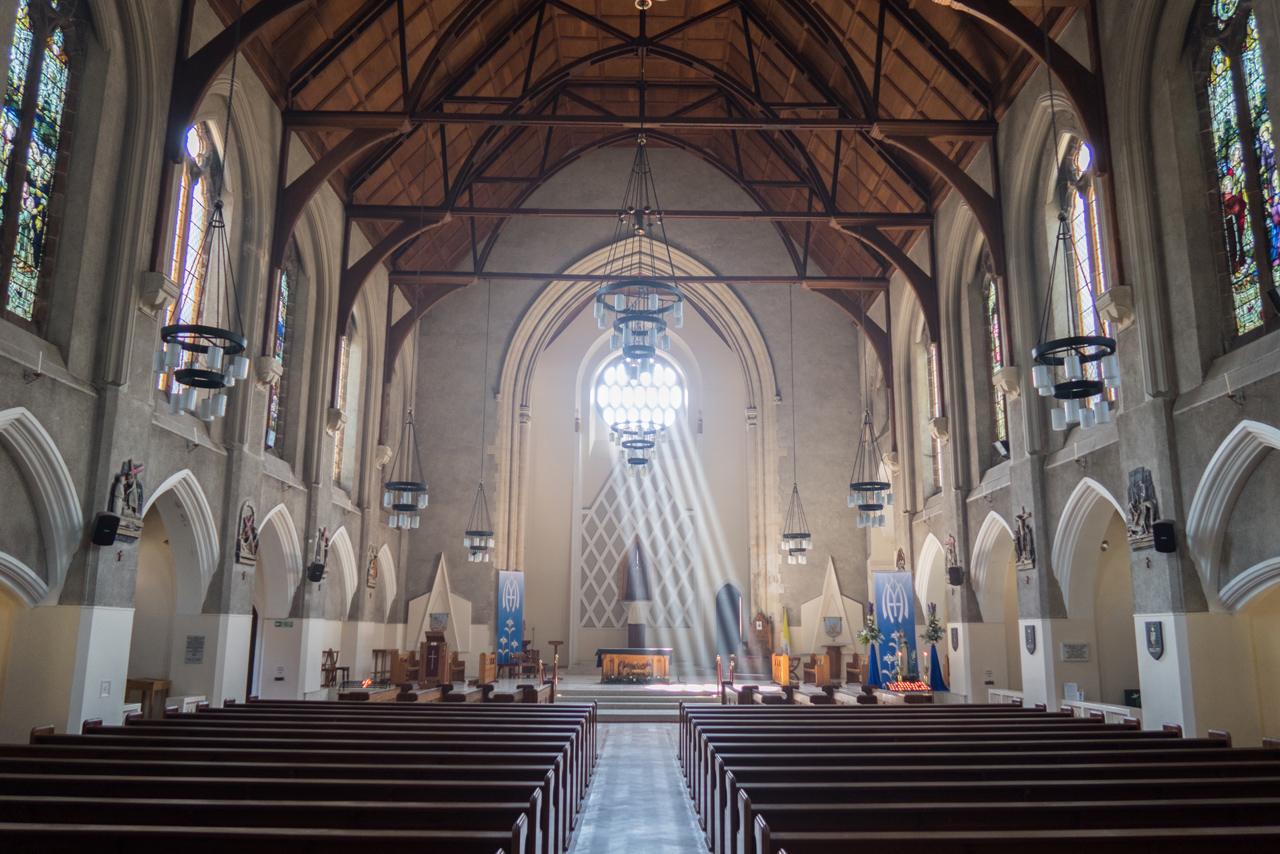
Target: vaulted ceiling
x=471 y=104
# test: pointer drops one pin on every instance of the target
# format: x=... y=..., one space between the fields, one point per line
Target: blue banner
x=510 y=614
x=896 y=617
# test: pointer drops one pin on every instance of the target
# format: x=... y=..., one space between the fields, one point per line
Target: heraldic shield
x=1029 y=634
x=955 y=639
x=1155 y=638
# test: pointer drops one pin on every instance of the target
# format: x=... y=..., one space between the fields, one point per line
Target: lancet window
x=33 y=141
x=1234 y=92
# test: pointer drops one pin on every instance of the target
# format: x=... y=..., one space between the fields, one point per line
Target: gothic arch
x=62 y=523
x=279 y=561
x=1075 y=564
x=992 y=549
x=193 y=536
x=930 y=568
x=1215 y=500
x=387 y=580
x=554 y=307
x=347 y=574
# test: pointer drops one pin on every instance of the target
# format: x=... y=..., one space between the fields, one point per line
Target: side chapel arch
x=1084 y=521
x=992 y=550
x=554 y=307
x=62 y=523
x=279 y=561
x=348 y=574
x=193 y=536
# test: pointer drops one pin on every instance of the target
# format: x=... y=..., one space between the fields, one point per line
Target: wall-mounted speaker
x=105 y=526
x=955 y=575
x=1163 y=536
x=315 y=572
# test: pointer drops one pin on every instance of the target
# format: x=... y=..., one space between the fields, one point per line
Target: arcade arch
x=995 y=581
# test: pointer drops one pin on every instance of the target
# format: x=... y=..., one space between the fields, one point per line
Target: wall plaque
x=195 y=649
x=1075 y=652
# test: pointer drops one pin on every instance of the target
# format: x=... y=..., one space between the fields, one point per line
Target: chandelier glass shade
x=796 y=542
x=406 y=492
x=478 y=538
x=199 y=357
x=867 y=493
x=639 y=304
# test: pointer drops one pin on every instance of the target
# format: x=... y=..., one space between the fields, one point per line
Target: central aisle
x=637 y=800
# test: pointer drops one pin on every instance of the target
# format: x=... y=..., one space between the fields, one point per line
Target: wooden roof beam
x=839 y=219
x=942 y=52
x=435 y=278
x=922 y=284
x=324 y=55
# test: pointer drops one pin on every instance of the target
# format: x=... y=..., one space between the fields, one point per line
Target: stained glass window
x=31 y=125
x=1085 y=266
x=995 y=352
x=277 y=351
x=1244 y=160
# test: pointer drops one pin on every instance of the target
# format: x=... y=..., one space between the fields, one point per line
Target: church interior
x=567 y=426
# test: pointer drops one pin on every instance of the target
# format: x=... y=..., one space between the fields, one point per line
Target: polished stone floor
x=637 y=801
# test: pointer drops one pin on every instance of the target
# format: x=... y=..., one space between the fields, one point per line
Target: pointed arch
x=279 y=560
x=387 y=578
x=1215 y=500
x=992 y=549
x=1084 y=520
x=348 y=574
x=929 y=568
x=62 y=522
x=554 y=308
x=193 y=536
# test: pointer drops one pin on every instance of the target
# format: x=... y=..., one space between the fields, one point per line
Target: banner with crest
x=896 y=616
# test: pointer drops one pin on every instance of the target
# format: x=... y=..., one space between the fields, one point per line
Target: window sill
x=1081 y=443
x=994 y=479
x=187 y=426
x=274 y=467
x=30 y=352
x=343 y=500
x=1247 y=364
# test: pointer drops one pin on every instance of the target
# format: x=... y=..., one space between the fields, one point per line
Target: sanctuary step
x=636 y=703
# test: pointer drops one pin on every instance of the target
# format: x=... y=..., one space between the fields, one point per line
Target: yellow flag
x=786 y=634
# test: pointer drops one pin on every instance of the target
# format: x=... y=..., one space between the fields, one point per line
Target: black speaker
x=955 y=575
x=1163 y=536
x=105 y=526
x=315 y=572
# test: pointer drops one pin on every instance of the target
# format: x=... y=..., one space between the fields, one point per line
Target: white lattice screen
x=625 y=507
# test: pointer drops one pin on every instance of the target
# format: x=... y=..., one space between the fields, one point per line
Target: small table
x=637 y=664
x=148 y=688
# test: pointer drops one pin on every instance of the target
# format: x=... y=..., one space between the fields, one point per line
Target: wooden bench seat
x=36 y=838
x=514 y=818
x=1158 y=840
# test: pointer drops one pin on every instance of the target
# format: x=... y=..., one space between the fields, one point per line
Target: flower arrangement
x=933 y=631
x=870 y=632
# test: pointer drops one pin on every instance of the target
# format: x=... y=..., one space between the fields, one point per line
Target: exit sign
x=284 y=624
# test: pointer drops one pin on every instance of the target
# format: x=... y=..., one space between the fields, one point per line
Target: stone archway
x=554 y=307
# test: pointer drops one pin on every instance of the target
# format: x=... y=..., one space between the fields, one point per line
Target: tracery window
x=658 y=397
x=1086 y=268
x=995 y=350
x=935 y=411
x=347 y=436
x=190 y=259
x=32 y=141
x=1235 y=95
x=280 y=352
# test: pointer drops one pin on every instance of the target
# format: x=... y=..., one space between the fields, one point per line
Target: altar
x=634 y=665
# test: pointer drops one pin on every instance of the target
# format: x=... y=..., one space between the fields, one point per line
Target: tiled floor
x=637 y=801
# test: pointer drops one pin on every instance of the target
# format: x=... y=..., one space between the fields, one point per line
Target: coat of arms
x=1029 y=636
x=1155 y=638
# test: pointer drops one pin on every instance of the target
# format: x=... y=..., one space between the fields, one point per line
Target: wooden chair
x=329 y=668
x=530 y=662
x=382 y=664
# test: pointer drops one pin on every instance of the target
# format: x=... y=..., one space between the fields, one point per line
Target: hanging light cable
x=405 y=495
x=478 y=538
x=199 y=355
x=867 y=492
x=640 y=302
x=1079 y=367
x=796 y=542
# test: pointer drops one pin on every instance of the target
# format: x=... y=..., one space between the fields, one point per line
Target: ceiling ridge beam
x=840 y=218
x=433 y=278
x=330 y=49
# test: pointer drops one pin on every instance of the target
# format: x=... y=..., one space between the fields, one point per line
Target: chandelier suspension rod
x=484 y=377
x=792 y=344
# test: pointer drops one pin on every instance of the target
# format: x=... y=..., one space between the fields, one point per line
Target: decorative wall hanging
x=1142 y=510
x=1155 y=638
x=1024 y=543
x=247 y=536
x=127 y=499
x=1029 y=638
